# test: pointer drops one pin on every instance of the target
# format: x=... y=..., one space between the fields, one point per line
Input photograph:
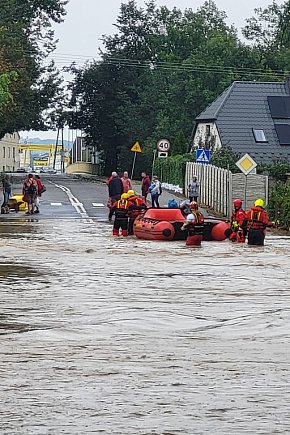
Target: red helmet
x=193 y=205
x=238 y=203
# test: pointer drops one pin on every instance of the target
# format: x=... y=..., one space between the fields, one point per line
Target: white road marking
x=56 y=203
x=79 y=207
x=98 y=204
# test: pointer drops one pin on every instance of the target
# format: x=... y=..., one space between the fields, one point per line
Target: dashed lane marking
x=79 y=207
x=56 y=204
x=98 y=204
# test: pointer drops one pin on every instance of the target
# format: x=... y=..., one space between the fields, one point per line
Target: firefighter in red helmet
x=238 y=232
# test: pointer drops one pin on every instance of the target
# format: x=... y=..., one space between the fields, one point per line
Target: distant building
x=80 y=152
x=250 y=117
x=9 y=152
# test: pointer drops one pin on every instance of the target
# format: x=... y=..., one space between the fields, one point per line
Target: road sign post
x=246 y=164
x=135 y=149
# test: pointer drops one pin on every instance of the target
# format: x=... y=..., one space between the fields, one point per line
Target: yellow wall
x=79 y=167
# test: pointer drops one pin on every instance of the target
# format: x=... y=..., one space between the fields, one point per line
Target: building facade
x=248 y=117
x=9 y=152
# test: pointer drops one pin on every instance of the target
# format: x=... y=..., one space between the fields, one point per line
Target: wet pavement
x=124 y=336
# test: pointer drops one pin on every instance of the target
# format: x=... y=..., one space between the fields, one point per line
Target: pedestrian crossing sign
x=136 y=148
x=202 y=156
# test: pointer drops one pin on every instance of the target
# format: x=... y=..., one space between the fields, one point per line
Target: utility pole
x=56 y=144
x=62 y=151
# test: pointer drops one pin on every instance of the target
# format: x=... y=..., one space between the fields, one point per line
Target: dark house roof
x=248 y=106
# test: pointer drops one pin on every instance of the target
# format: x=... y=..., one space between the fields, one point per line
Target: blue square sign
x=203 y=156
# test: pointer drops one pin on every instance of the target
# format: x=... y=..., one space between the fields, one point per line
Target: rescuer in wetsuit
x=194 y=224
x=238 y=232
x=256 y=221
x=138 y=206
x=121 y=210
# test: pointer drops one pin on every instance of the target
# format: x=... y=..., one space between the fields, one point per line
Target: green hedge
x=279 y=205
x=172 y=170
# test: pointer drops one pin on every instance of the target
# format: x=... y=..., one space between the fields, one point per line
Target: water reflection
x=122 y=336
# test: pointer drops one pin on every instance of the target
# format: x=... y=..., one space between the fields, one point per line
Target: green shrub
x=172 y=170
x=279 y=204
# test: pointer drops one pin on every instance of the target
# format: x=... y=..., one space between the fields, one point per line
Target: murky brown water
x=110 y=336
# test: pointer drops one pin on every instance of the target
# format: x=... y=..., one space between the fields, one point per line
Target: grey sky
x=87 y=20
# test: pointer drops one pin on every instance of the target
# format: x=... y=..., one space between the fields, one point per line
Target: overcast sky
x=87 y=20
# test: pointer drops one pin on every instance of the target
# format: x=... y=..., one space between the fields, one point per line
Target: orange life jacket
x=257 y=219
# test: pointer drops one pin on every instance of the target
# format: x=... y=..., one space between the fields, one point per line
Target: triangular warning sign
x=136 y=148
x=203 y=157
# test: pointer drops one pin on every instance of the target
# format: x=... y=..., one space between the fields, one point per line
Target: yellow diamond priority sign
x=136 y=148
x=246 y=164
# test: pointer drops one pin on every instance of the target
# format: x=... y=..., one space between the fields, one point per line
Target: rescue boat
x=166 y=223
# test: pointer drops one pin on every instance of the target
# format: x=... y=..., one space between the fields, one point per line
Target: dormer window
x=259 y=135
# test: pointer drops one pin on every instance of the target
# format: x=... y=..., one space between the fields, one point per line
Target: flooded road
x=116 y=336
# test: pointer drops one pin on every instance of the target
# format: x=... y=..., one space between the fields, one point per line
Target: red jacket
x=39 y=186
x=238 y=217
x=257 y=219
x=146 y=183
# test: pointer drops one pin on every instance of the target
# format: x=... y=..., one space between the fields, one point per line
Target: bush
x=172 y=170
x=279 y=204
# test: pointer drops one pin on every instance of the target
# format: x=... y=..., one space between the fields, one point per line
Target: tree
x=26 y=39
x=5 y=94
x=157 y=73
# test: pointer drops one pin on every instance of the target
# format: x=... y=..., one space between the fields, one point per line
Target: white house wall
x=201 y=135
x=9 y=152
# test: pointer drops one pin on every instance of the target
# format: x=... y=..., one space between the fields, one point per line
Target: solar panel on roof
x=283 y=132
x=279 y=107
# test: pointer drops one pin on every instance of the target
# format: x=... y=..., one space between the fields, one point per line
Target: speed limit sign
x=163 y=145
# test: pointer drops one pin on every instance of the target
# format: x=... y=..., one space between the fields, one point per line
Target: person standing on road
x=193 y=190
x=127 y=183
x=256 y=221
x=30 y=192
x=116 y=189
x=40 y=190
x=146 y=183
x=7 y=188
x=154 y=189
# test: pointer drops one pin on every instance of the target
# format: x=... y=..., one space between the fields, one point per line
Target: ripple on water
x=124 y=336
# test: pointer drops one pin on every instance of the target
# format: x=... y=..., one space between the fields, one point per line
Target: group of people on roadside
x=125 y=204
x=32 y=190
x=118 y=185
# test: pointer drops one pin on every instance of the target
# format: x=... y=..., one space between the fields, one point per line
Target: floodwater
x=122 y=336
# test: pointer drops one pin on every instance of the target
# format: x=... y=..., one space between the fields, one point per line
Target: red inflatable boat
x=166 y=223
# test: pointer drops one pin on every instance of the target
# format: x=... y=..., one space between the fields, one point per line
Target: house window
x=13 y=152
x=259 y=135
x=4 y=153
x=9 y=152
x=207 y=130
x=283 y=132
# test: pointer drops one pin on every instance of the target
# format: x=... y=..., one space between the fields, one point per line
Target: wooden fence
x=218 y=187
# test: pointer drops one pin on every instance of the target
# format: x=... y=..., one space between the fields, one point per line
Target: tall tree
x=159 y=71
x=26 y=39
